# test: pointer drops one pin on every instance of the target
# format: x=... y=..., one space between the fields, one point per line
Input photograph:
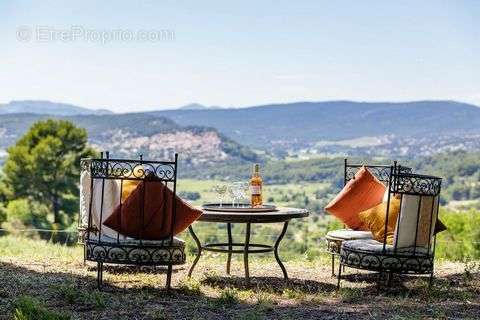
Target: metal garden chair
x=335 y=238
x=413 y=248
x=103 y=245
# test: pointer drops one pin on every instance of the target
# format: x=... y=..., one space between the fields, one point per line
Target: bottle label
x=256 y=190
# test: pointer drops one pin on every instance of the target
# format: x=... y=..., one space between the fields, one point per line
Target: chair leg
x=169 y=276
x=379 y=280
x=339 y=275
x=430 y=281
x=333 y=265
x=99 y=275
x=390 y=278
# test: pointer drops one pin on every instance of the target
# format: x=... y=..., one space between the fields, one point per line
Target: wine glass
x=238 y=191
x=244 y=188
x=221 y=190
x=233 y=193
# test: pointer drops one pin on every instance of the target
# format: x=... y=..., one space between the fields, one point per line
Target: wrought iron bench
x=102 y=182
x=335 y=238
x=413 y=248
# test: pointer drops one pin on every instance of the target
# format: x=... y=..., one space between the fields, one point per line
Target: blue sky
x=242 y=53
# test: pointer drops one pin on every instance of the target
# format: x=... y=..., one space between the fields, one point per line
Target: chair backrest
x=103 y=185
x=419 y=197
x=381 y=172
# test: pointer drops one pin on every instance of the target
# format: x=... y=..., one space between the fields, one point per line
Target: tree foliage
x=460 y=171
x=44 y=166
x=24 y=212
x=461 y=240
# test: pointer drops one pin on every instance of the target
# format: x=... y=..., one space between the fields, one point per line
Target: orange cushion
x=129 y=185
x=156 y=210
x=375 y=217
x=127 y=188
x=361 y=193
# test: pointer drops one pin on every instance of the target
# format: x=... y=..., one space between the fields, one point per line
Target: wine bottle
x=256 y=187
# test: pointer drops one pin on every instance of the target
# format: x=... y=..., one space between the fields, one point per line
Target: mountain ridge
x=310 y=122
x=47 y=107
x=197 y=106
x=128 y=135
x=333 y=127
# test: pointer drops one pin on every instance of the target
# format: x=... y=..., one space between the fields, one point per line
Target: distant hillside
x=196 y=106
x=47 y=107
x=128 y=135
x=305 y=124
x=302 y=129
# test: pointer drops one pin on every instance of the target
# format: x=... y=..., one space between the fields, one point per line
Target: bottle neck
x=256 y=171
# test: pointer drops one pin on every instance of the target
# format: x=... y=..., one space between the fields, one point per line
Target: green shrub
x=350 y=295
x=293 y=294
x=461 y=240
x=73 y=295
x=24 y=212
x=228 y=296
x=27 y=308
x=189 y=195
x=190 y=286
x=69 y=293
x=253 y=314
x=3 y=213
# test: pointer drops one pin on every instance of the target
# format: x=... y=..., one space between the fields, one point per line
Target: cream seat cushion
x=347 y=234
x=177 y=242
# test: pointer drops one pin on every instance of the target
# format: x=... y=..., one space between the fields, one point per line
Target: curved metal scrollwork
x=128 y=169
x=85 y=165
x=378 y=261
x=416 y=184
x=135 y=255
x=381 y=172
x=403 y=169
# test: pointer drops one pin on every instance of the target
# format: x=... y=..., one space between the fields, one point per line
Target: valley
x=436 y=137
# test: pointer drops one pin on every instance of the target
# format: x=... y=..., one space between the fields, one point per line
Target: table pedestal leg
x=277 y=243
x=199 y=248
x=229 y=257
x=245 y=253
x=246 y=249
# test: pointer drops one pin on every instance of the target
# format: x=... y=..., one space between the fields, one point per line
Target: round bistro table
x=280 y=215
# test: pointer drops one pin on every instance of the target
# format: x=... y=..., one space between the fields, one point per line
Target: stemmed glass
x=221 y=190
x=233 y=193
x=244 y=191
x=238 y=191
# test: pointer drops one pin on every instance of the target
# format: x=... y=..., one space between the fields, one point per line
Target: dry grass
x=65 y=285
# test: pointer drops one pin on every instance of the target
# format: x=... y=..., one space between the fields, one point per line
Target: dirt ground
x=310 y=293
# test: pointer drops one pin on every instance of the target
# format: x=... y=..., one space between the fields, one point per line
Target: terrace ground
x=55 y=277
